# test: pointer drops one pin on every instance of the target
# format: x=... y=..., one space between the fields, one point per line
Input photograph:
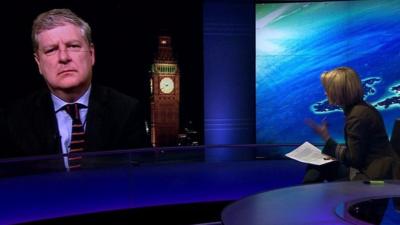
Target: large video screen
x=125 y=37
x=296 y=42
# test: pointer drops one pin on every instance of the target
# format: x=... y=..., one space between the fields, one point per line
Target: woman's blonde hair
x=342 y=86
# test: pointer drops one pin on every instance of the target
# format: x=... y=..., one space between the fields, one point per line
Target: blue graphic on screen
x=297 y=42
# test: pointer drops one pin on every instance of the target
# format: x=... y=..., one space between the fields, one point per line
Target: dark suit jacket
x=367 y=146
x=114 y=121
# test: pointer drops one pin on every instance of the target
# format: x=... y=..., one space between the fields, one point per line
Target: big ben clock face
x=166 y=85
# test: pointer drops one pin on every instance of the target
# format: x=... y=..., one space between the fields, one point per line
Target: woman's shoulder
x=363 y=110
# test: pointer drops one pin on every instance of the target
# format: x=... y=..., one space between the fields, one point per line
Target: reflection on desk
x=170 y=176
x=374 y=210
x=305 y=204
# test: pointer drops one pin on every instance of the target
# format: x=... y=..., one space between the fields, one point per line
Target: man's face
x=65 y=58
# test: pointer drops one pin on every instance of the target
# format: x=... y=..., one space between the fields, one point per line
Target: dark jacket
x=367 y=147
x=114 y=121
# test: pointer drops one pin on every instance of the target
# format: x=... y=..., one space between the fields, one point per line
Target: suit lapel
x=45 y=125
x=96 y=119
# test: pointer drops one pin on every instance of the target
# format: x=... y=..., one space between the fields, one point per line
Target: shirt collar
x=59 y=103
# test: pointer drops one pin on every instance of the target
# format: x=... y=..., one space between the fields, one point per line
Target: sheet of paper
x=308 y=153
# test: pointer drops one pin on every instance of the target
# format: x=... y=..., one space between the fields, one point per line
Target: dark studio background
x=125 y=37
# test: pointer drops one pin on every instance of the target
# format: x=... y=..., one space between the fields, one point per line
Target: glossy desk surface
x=60 y=194
x=304 y=204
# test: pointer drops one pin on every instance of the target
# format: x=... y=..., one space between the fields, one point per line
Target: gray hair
x=55 y=18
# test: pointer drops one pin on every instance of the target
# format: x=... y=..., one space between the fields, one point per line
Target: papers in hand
x=308 y=153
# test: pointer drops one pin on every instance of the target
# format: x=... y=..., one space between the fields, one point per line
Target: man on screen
x=73 y=115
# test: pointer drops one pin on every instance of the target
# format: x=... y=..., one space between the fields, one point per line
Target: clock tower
x=164 y=88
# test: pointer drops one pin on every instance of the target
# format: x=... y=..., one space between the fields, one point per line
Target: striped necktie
x=78 y=143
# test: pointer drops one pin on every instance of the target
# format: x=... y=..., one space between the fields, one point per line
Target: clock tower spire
x=165 y=99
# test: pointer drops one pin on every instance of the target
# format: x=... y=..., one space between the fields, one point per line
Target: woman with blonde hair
x=367 y=153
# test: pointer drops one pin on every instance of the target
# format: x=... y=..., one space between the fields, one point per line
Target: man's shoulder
x=32 y=101
x=111 y=96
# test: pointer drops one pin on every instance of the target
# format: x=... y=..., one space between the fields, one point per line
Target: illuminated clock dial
x=166 y=85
